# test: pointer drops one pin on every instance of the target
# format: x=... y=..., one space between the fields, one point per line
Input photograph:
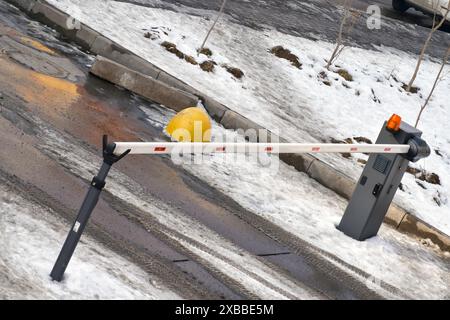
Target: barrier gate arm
x=270 y=148
x=397 y=145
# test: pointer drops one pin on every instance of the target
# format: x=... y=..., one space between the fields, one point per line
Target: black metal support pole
x=89 y=203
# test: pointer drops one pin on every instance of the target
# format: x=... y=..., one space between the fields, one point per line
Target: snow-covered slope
x=296 y=102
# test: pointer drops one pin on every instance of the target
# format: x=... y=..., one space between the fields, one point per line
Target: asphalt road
x=46 y=90
x=319 y=19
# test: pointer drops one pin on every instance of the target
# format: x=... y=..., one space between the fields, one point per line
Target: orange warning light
x=394 y=123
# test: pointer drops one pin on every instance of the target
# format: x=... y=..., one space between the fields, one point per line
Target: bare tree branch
x=436 y=26
x=340 y=45
x=438 y=79
x=212 y=27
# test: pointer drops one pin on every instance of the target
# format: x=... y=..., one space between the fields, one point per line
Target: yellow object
x=190 y=125
x=37 y=45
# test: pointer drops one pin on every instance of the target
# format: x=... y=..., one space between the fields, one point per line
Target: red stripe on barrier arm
x=316 y=149
x=269 y=149
x=354 y=149
x=387 y=149
x=220 y=149
x=160 y=149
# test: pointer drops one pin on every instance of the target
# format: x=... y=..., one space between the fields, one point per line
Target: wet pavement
x=320 y=19
x=45 y=90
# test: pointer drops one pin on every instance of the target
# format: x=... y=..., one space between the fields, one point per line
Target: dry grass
x=286 y=54
x=207 y=52
x=172 y=48
x=345 y=74
x=208 y=66
x=236 y=72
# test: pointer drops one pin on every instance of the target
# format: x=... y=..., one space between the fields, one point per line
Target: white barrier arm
x=273 y=148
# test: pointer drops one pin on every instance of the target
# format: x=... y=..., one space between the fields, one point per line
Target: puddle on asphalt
x=36 y=45
x=64 y=95
x=29 y=42
x=65 y=104
x=37 y=88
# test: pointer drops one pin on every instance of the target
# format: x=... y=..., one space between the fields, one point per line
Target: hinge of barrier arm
x=108 y=152
x=418 y=150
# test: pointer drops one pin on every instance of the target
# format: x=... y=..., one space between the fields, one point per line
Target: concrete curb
x=143 y=85
x=25 y=5
x=139 y=69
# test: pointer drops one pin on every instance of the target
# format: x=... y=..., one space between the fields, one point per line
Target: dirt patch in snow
x=413 y=88
x=286 y=54
x=236 y=72
x=324 y=78
x=363 y=140
x=362 y=161
x=423 y=175
x=172 y=48
x=345 y=141
x=346 y=155
x=208 y=65
x=345 y=74
x=206 y=51
x=191 y=60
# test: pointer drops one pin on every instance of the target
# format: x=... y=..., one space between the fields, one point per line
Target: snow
x=280 y=97
x=30 y=239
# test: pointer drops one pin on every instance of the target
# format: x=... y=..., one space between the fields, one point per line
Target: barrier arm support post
x=380 y=180
x=89 y=203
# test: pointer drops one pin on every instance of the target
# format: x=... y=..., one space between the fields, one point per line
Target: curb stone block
x=332 y=179
x=138 y=64
x=215 y=109
x=55 y=18
x=25 y=5
x=301 y=162
x=104 y=47
x=143 y=85
x=112 y=72
x=177 y=83
x=395 y=216
x=233 y=120
x=176 y=99
x=414 y=226
x=100 y=45
x=85 y=37
x=143 y=66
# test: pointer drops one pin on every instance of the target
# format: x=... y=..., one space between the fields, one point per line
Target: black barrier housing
x=380 y=181
x=89 y=203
